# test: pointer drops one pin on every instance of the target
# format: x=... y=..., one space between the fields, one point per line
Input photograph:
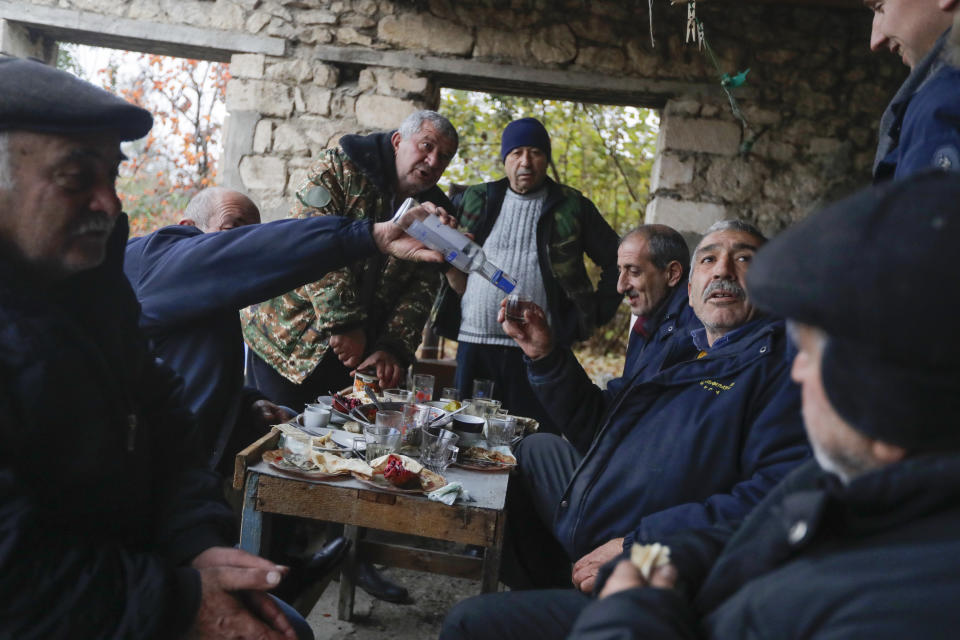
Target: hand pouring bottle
x=457 y=249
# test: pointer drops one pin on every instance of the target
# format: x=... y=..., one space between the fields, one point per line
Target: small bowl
x=469 y=428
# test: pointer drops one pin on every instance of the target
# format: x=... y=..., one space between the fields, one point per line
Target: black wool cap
x=37 y=97
x=878 y=272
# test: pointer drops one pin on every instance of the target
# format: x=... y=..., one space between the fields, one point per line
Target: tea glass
x=423 y=387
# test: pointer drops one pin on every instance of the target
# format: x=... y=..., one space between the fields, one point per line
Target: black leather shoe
x=370 y=580
x=306 y=571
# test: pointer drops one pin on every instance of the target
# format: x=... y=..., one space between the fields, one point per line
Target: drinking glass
x=380 y=439
x=500 y=431
x=516 y=303
x=398 y=395
x=414 y=417
x=482 y=388
x=423 y=387
x=297 y=449
x=450 y=394
x=438 y=448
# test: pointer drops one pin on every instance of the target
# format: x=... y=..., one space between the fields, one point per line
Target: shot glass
x=516 y=303
x=423 y=387
x=482 y=388
x=450 y=394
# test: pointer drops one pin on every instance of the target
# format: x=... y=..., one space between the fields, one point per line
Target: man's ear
x=395 y=140
x=187 y=222
x=674 y=273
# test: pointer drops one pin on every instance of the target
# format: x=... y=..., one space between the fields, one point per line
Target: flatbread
x=334 y=464
x=325 y=441
x=479 y=453
x=647 y=557
x=428 y=479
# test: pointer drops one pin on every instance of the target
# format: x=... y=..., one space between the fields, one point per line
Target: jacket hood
x=373 y=153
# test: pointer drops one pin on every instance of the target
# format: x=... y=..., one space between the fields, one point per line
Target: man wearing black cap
x=112 y=527
x=864 y=542
x=538 y=232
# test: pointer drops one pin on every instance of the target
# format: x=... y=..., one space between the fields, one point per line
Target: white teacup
x=315 y=416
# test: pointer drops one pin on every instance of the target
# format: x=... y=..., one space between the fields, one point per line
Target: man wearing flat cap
x=865 y=541
x=537 y=231
x=112 y=527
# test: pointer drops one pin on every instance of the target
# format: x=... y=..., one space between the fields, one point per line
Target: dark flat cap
x=879 y=272
x=36 y=97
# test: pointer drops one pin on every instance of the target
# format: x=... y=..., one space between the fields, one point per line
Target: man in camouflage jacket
x=538 y=232
x=371 y=313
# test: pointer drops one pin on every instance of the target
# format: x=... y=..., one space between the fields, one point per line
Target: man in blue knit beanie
x=538 y=232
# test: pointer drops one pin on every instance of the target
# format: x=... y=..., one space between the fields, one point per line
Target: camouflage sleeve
x=335 y=188
x=403 y=327
x=600 y=243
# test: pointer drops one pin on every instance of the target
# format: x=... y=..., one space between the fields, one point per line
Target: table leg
x=490 y=572
x=348 y=575
x=251 y=520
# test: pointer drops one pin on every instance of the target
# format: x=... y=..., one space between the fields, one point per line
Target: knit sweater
x=512 y=246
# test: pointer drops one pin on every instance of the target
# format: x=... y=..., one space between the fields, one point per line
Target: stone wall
x=813 y=97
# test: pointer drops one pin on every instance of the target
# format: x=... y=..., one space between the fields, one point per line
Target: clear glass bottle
x=457 y=249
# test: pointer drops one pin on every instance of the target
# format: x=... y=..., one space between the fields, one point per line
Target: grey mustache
x=724 y=286
x=93 y=224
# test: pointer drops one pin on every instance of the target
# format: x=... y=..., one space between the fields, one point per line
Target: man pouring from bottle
x=537 y=231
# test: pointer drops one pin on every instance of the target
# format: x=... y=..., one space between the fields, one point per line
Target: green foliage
x=606 y=152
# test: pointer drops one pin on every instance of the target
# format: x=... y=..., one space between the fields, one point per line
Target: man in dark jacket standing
x=865 y=542
x=537 y=231
x=111 y=525
x=919 y=129
x=699 y=442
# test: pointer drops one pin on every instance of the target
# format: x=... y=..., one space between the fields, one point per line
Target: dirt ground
x=432 y=596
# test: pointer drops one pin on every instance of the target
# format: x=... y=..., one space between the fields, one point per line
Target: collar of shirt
x=700 y=337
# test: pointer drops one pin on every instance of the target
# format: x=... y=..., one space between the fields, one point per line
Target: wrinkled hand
x=227 y=577
x=586 y=568
x=533 y=336
x=267 y=414
x=349 y=346
x=388 y=369
x=626 y=576
x=391 y=238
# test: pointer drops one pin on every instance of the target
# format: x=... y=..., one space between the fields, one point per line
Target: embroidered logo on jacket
x=716 y=387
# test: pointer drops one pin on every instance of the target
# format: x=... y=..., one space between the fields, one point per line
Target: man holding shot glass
x=538 y=231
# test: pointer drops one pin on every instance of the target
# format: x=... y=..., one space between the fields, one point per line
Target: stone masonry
x=324 y=68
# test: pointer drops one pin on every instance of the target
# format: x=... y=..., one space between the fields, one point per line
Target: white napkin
x=449 y=493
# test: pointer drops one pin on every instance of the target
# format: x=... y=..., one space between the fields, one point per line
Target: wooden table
x=355 y=504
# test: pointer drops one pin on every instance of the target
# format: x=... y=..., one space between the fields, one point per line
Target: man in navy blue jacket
x=193 y=279
x=652 y=261
x=701 y=440
x=919 y=129
x=864 y=542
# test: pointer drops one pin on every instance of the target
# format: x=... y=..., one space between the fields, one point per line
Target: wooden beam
x=458 y=73
x=100 y=30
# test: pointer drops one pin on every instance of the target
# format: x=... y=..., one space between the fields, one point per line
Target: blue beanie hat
x=525 y=132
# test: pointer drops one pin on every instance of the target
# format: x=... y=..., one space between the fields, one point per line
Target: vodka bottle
x=457 y=249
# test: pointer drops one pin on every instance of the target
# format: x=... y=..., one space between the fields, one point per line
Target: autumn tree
x=179 y=155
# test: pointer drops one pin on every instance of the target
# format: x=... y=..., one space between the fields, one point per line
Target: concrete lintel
x=100 y=30
x=485 y=76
